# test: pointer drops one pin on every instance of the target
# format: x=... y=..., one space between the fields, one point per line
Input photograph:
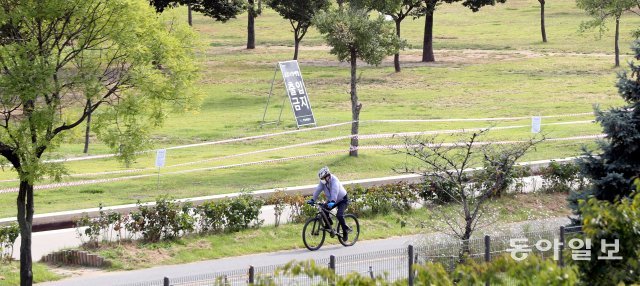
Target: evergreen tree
x=612 y=173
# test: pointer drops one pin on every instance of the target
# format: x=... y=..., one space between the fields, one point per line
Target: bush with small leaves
x=617 y=225
x=297 y=203
x=213 y=216
x=8 y=236
x=100 y=228
x=243 y=210
x=167 y=219
x=561 y=177
x=279 y=202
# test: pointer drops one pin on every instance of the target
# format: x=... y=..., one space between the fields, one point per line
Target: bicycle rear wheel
x=313 y=234
x=354 y=226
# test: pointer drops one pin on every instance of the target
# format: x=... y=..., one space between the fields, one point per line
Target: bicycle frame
x=325 y=218
x=321 y=213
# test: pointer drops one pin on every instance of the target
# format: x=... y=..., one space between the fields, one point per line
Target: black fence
x=394 y=264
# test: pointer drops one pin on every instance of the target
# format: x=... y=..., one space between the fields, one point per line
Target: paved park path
x=234 y=263
x=282 y=257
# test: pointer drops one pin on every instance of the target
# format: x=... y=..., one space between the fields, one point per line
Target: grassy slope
x=513 y=75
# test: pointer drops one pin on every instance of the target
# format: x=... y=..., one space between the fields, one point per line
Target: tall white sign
x=536 y=122
x=161 y=154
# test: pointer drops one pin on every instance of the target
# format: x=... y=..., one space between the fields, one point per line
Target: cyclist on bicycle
x=336 y=197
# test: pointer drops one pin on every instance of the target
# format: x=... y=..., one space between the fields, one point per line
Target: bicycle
x=315 y=229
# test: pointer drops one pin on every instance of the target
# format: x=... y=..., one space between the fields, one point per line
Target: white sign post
x=536 y=121
x=161 y=155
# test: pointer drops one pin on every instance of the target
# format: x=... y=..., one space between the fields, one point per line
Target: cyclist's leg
x=325 y=210
x=342 y=206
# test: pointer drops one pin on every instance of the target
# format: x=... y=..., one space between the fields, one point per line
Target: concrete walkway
x=282 y=257
x=234 y=263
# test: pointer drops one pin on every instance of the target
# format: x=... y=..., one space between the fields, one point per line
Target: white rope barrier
x=374 y=147
x=328 y=140
x=93 y=157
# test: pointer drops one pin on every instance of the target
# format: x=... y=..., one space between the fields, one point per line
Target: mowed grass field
x=490 y=64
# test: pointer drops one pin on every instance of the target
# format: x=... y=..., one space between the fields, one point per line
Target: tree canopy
x=428 y=10
x=398 y=10
x=221 y=10
x=601 y=11
x=64 y=59
x=299 y=14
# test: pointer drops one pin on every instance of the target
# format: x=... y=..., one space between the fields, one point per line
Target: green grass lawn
x=490 y=64
x=10 y=273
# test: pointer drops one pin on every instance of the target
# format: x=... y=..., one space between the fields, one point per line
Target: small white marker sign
x=161 y=154
x=536 y=121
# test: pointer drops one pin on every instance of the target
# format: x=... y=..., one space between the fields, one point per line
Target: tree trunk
x=296 y=47
x=87 y=132
x=251 y=33
x=189 y=14
x=355 y=107
x=466 y=248
x=617 y=38
x=427 y=43
x=396 y=57
x=544 y=33
x=25 y=220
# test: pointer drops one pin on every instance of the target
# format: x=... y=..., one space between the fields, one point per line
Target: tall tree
x=398 y=10
x=353 y=35
x=61 y=60
x=220 y=10
x=428 y=11
x=612 y=172
x=253 y=11
x=601 y=11
x=299 y=14
x=542 y=26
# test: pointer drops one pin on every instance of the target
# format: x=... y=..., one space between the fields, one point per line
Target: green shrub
x=167 y=219
x=499 y=175
x=431 y=274
x=609 y=222
x=242 y=211
x=437 y=190
x=8 y=236
x=383 y=199
x=213 y=217
x=101 y=228
x=356 y=195
x=297 y=203
x=563 y=178
x=279 y=202
x=504 y=270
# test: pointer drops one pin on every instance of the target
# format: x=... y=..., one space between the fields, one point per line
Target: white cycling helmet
x=323 y=172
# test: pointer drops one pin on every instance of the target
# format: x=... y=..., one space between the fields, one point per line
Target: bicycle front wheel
x=353 y=233
x=313 y=234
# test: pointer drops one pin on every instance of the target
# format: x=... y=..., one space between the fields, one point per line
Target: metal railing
x=393 y=264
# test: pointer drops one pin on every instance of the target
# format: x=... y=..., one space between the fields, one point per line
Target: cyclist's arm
x=317 y=191
x=335 y=188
